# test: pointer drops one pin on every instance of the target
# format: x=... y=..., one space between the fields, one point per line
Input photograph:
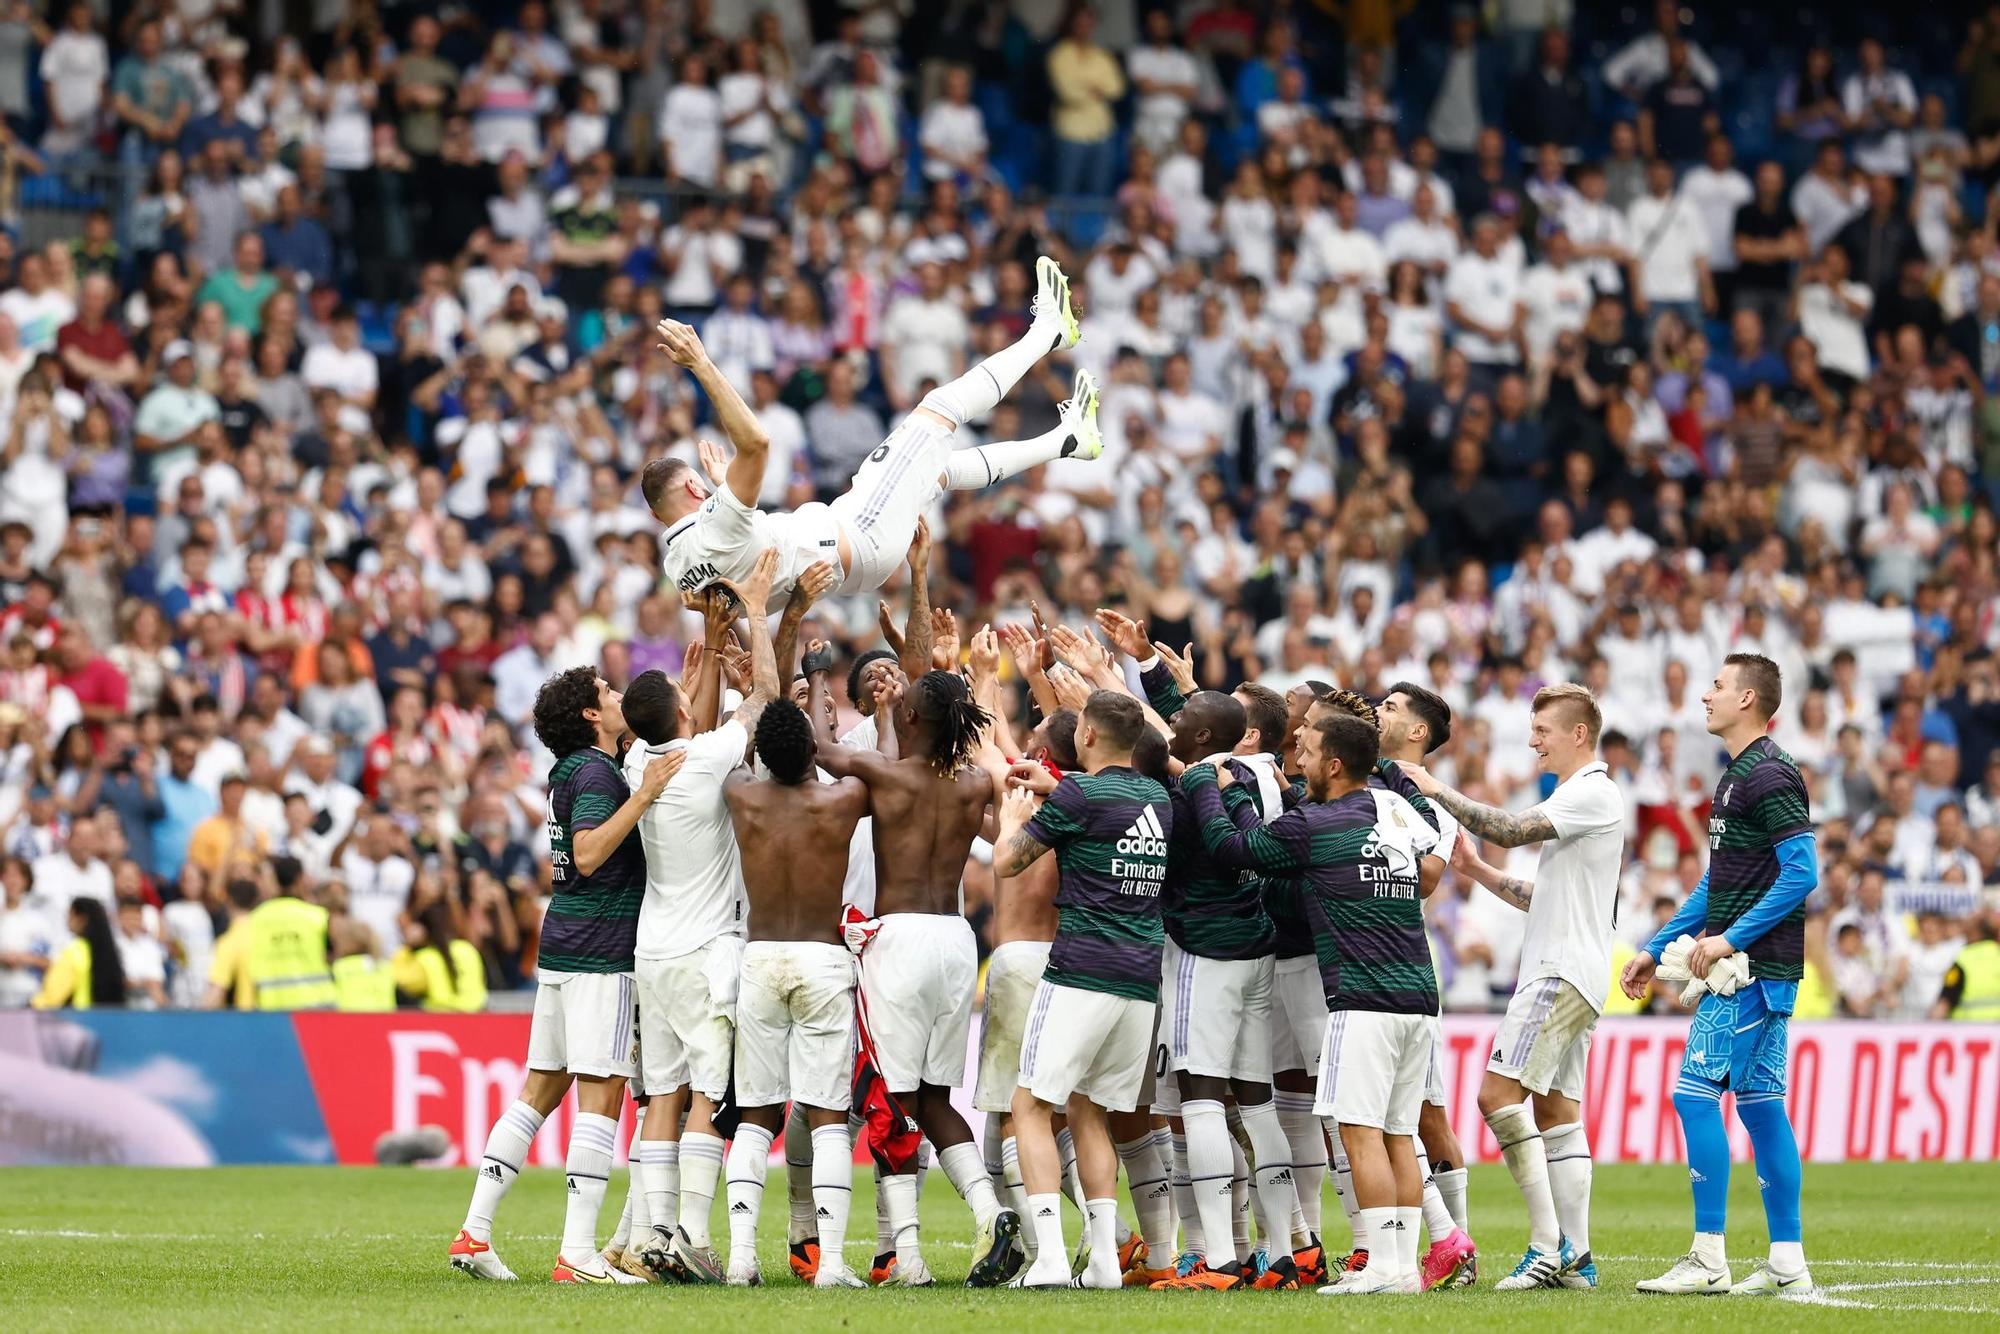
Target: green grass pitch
x=1912 y=1245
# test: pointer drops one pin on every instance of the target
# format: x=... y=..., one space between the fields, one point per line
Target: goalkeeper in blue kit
x=1745 y=971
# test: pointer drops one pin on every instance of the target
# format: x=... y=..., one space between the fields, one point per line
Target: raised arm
x=1496 y=826
x=918 y=637
x=1015 y=850
x=1508 y=888
x=838 y=760
x=1243 y=841
x=704 y=692
x=745 y=476
x=591 y=847
x=755 y=594
x=814 y=583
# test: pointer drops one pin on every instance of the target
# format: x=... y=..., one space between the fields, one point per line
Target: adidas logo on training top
x=1145 y=838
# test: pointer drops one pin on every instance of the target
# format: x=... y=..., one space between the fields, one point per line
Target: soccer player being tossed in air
x=690 y=940
x=716 y=535
x=1362 y=869
x=582 y=1029
x=795 y=1008
x=1090 y=1031
x=1762 y=865
x=1544 y=1041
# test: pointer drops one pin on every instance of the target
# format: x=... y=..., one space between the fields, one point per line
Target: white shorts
x=1086 y=1042
x=1012 y=975
x=584 y=1023
x=1544 y=1040
x=687 y=1019
x=1372 y=1069
x=795 y=1025
x=1434 y=1081
x=1298 y=1015
x=1215 y=1014
x=892 y=489
x=917 y=980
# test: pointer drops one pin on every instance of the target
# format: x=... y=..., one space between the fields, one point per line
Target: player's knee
x=942 y=402
x=1695 y=1097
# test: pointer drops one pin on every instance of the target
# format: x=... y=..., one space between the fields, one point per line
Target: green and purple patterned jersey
x=1110 y=832
x=1759 y=803
x=1216 y=912
x=1361 y=892
x=593 y=919
x=1284 y=900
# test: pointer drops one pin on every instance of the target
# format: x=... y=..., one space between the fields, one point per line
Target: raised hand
x=1072 y=691
x=1042 y=633
x=1024 y=648
x=660 y=772
x=920 y=547
x=1179 y=665
x=690 y=666
x=984 y=658
x=885 y=621
x=1016 y=808
x=944 y=639
x=1126 y=635
x=1034 y=777
x=680 y=342
x=755 y=592
x=888 y=691
x=814 y=582
x=714 y=462
x=818 y=659
x=735 y=664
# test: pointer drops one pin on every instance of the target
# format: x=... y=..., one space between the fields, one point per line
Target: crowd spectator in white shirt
x=1642 y=62
x=691 y=127
x=738 y=339
x=1827 y=196
x=1671 y=243
x=1166 y=79
x=1717 y=188
x=1832 y=310
x=923 y=338
x=1879 y=105
x=1482 y=295
x=953 y=133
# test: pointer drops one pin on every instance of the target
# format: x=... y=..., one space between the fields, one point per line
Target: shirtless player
x=919 y=969
x=717 y=534
x=795 y=1004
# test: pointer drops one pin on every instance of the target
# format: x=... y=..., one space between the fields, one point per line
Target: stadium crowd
x=1558 y=349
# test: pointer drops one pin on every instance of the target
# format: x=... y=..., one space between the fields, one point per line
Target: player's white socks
x=749 y=1163
x=885 y=1233
x=1788 y=1257
x=506 y=1149
x=1017 y=1188
x=1273 y=1178
x=1568 y=1154
x=1385 y=1250
x=966 y=1171
x=1072 y=1178
x=899 y=1197
x=1152 y=1195
x=1708 y=1249
x=1343 y=1186
x=986 y=465
x=1193 y=1238
x=1101 y=1227
x=1239 y=1201
x=1451 y=1186
x=990 y=1150
x=1407 y=1221
x=1308 y=1152
x=832 y=1190
x=1211 y=1157
x=1527 y=1160
x=1045 y=1220
x=660 y=1168
x=800 y=1146
x=634 y=1214
x=1437 y=1219
x=701 y=1165
x=587 y=1173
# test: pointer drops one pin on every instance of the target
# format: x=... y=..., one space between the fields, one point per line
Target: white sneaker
x=743 y=1273
x=1051 y=304
x=1689 y=1277
x=833 y=1274
x=910 y=1274
x=1367 y=1283
x=1765 y=1281
x=1079 y=417
x=593 y=1270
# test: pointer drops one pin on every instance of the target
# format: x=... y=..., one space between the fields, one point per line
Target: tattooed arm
x=1496 y=826
x=1016 y=849
x=1466 y=860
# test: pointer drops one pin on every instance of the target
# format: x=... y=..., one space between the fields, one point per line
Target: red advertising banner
x=1858 y=1090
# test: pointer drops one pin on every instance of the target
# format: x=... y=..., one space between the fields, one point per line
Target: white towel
x=1270 y=783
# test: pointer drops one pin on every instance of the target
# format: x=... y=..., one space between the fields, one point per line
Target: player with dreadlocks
x=919 y=965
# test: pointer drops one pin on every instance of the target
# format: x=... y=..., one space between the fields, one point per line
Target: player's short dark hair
x=652 y=707
x=1431 y=711
x=1223 y=715
x=659 y=477
x=1265 y=710
x=854 y=671
x=1060 y=732
x=559 y=705
x=1117 y=718
x=1356 y=744
x=242 y=893
x=1149 y=755
x=1760 y=674
x=785 y=742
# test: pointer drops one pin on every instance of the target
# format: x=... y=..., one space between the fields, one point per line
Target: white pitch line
x=1903 y=1283
x=1928 y=1266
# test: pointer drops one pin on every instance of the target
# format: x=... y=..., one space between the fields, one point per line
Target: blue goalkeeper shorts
x=1741 y=1042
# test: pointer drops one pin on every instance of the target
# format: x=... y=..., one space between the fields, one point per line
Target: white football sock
x=1239 y=1202
x=996 y=1170
x=1072 y=1179
x=1569 y=1180
x=1017 y=1190
x=986 y=465
x=634 y=1215
x=587 y=1173
x=1152 y=1196
x=701 y=1165
x=1788 y=1258
x=1437 y=1219
x=1273 y=1181
x=622 y=1233
x=1451 y=1185
x=1308 y=1152
x=1101 y=1224
x=799 y=1147
x=1343 y=1186
x=1193 y=1239
x=885 y=1231
x=1709 y=1249
x=1379 y=1227
x=966 y=1171
x=1527 y=1160
x=1407 y=1222
x=1045 y=1212
x=749 y=1163
x=899 y=1196
x=507 y=1147
x=1210 y=1154
x=660 y=1167
x=832 y=1190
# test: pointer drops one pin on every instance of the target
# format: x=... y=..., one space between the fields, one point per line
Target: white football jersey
x=1576 y=885
x=694 y=876
x=723 y=539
